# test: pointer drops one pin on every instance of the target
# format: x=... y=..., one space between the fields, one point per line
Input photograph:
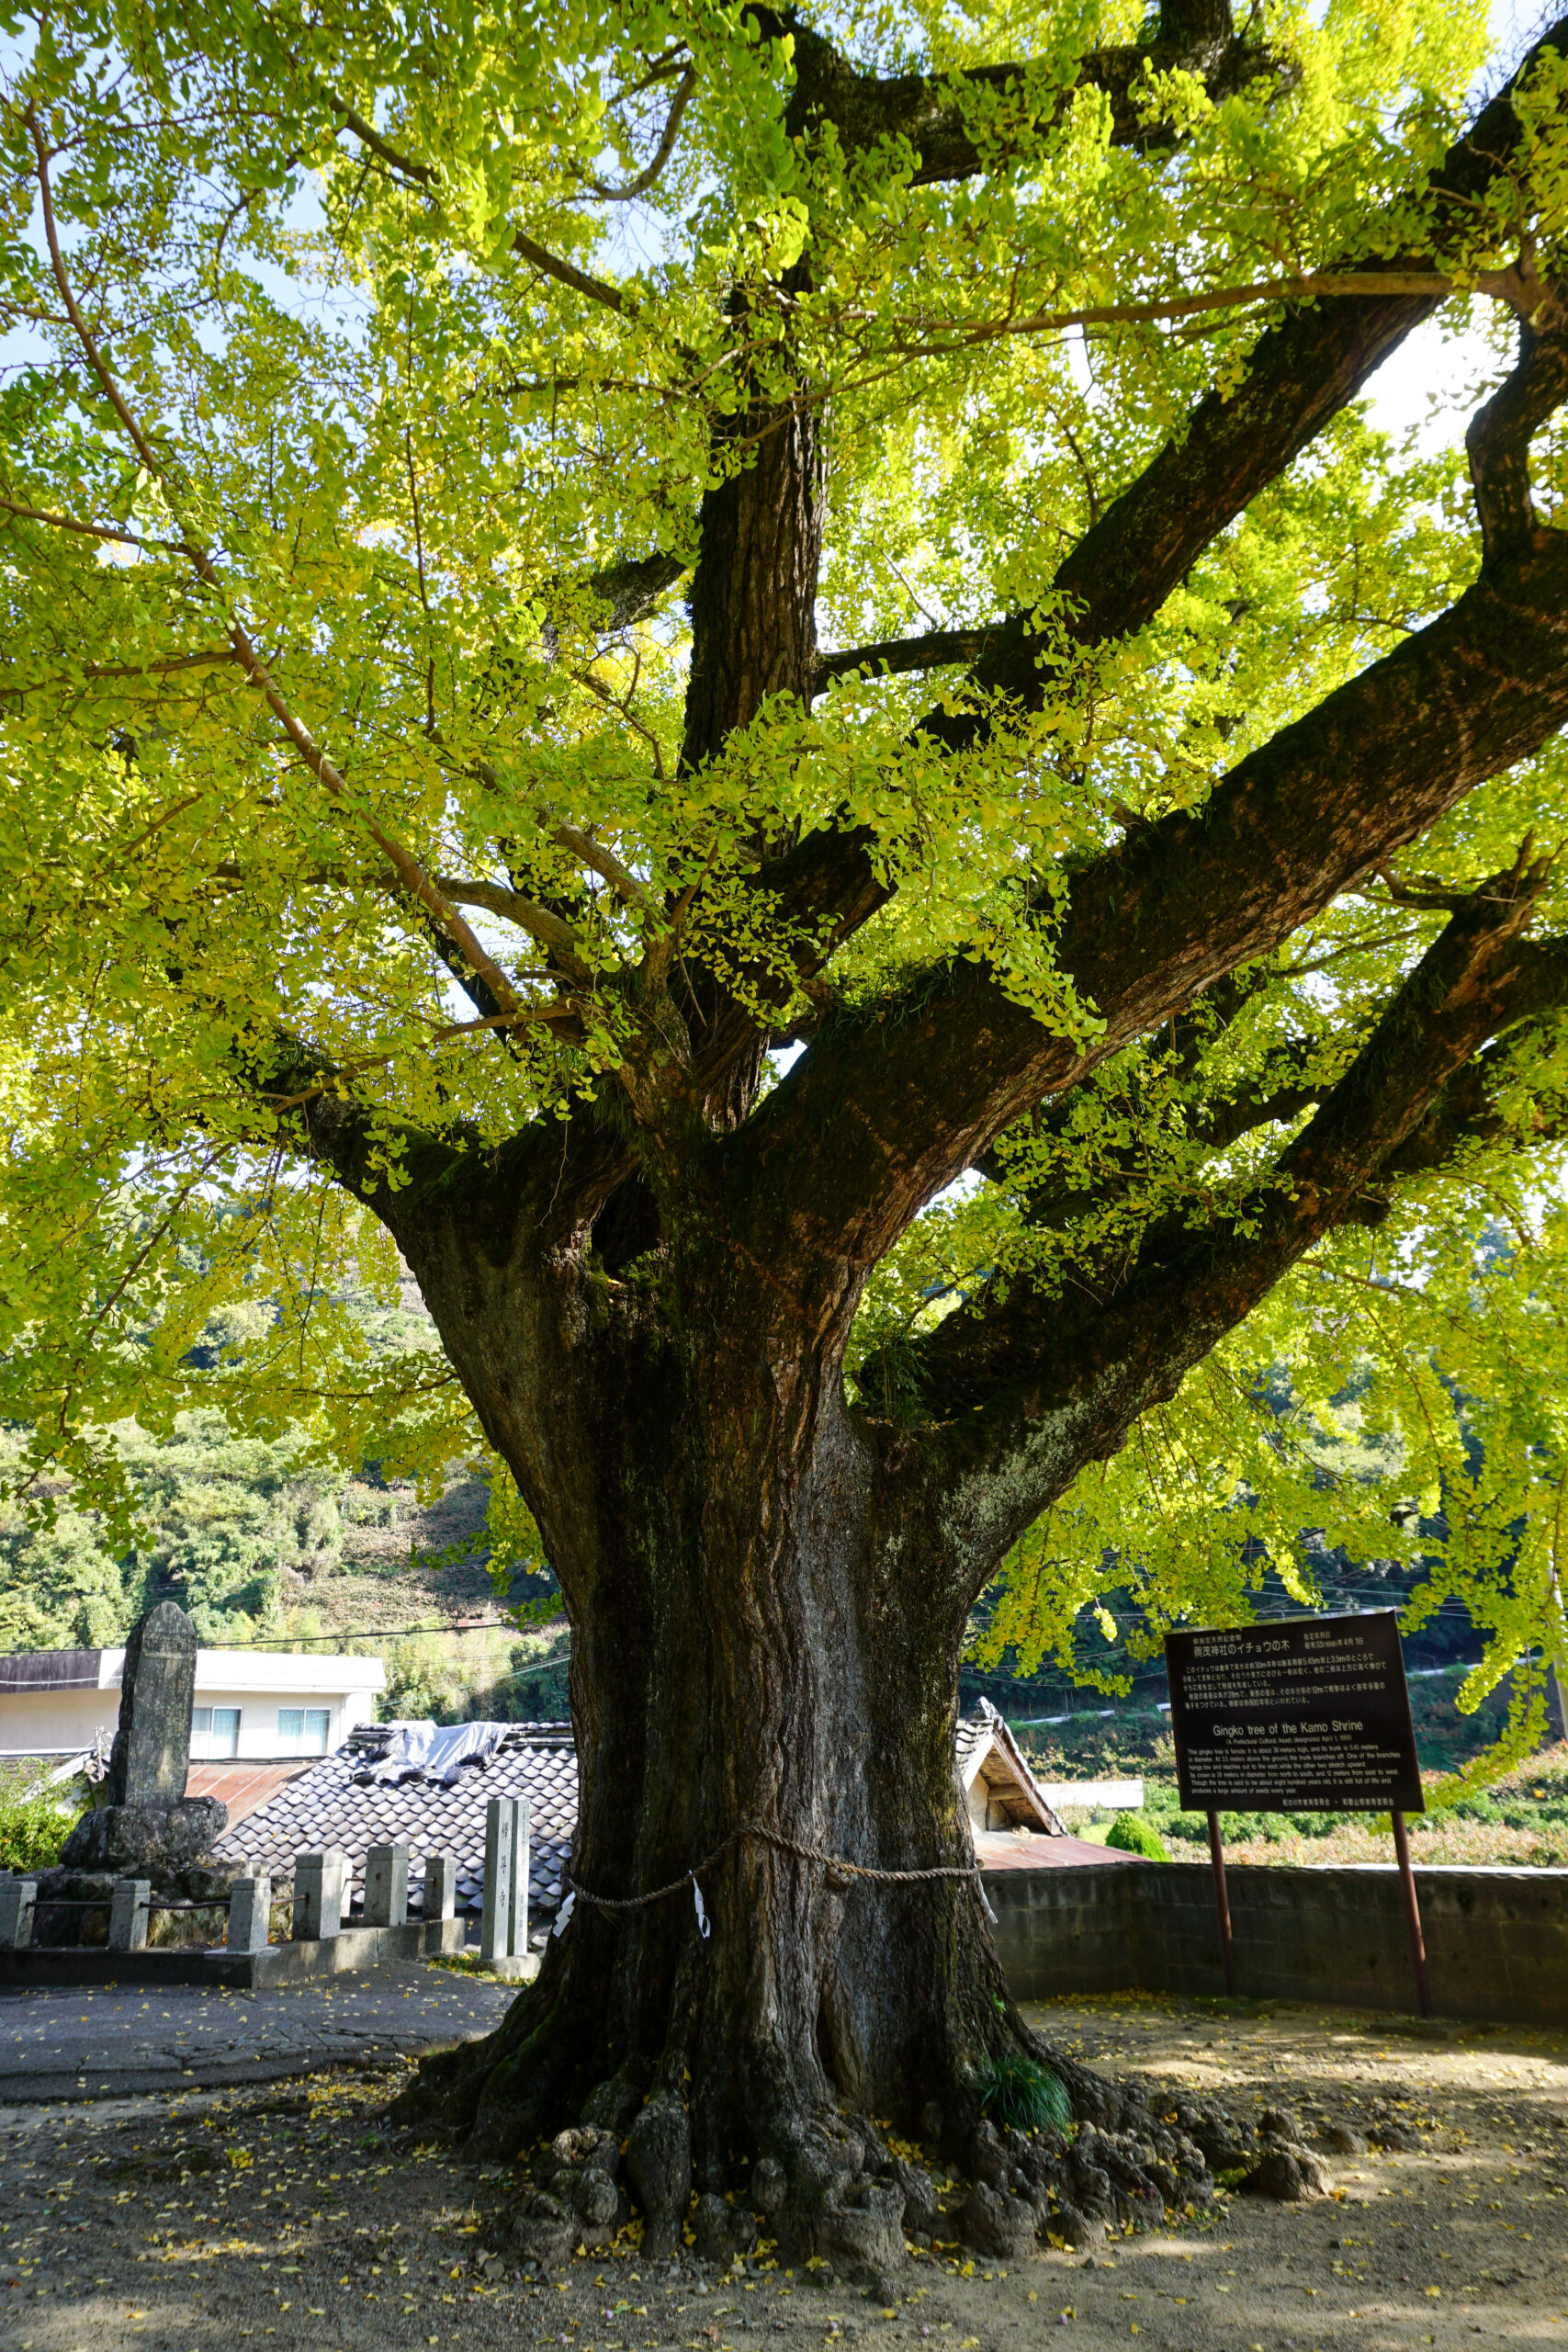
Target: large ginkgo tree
x=757 y=682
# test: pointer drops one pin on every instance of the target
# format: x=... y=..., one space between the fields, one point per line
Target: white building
x=256 y=1705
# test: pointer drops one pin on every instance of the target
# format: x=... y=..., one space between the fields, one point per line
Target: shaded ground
x=89 y=2042
x=290 y=2219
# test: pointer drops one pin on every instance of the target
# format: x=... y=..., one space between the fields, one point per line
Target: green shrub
x=1018 y=2091
x=1132 y=1834
x=34 y=1823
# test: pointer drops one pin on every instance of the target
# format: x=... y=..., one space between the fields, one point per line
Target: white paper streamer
x=704 y=1922
x=564 y=1914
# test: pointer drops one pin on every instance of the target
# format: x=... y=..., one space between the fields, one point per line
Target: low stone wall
x=286 y=1964
x=1496 y=1939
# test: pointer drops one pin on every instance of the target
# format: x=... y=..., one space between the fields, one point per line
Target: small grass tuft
x=1019 y=2091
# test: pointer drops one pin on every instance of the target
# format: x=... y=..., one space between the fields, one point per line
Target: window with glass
x=302 y=1731
x=214 y=1732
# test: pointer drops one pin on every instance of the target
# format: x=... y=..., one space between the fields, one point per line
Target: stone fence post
x=18 y=1897
x=250 y=1913
x=129 y=1912
x=387 y=1886
x=441 y=1886
x=320 y=1874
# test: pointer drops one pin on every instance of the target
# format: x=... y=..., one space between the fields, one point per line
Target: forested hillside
x=272 y=1539
x=267 y=1543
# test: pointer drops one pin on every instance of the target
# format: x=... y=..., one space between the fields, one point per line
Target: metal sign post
x=1221 y=1902
x=1412 y=1917
x=1304 y=1713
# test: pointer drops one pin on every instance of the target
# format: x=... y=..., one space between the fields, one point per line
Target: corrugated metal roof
x=332 y=1675
x=243 y=1786
x=51 y=1670
x=1005 y=1850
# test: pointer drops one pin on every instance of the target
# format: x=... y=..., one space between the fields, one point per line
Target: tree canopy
x=1118 y=914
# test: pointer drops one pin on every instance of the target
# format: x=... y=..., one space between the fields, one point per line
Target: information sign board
x=1303 y=1715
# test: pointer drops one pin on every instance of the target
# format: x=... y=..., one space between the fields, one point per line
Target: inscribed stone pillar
x=17 y=1899
x=320 y=1876
x=517 y=1925
x=501 y=1851
x=151 y=1755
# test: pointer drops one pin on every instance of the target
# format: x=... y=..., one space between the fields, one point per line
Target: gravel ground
x=194 y=2220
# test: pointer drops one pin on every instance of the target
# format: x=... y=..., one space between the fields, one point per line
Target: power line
x=379 y=1633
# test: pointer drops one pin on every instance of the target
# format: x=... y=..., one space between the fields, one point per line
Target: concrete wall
x=1095 y=1796
x=1496 y=1939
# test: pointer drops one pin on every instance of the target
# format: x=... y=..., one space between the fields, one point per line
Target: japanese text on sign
x=1310 y=1714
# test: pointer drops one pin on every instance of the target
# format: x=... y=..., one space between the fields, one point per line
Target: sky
x=1418 y=387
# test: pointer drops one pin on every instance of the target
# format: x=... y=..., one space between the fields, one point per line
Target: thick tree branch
x=606 y=864
x=1498 y=440
x=551 y=930
x=543 y=1188
x=632 y=588
x=894 y=655
x=1211 y=1122
x=927 y=110
x=1467 y=1112
x=581 y=281
x=877 y=1124
x=1006 y=1383
x=1301 y=374
x=313 y=1103
x=477 y=991
x=1316 y=286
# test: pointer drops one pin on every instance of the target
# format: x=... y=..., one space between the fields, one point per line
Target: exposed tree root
x=818 y=2181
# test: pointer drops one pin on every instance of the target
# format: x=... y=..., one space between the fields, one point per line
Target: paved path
x=92 y=2041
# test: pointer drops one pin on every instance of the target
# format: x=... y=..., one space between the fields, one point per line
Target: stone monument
x=149 y=1829
x=150 y=1761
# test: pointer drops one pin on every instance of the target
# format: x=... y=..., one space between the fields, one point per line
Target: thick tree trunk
x=752 y=1663
x=763 y=1680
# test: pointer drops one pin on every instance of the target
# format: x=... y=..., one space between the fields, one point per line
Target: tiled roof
x=986 y=1746
x=324 y=1806
x=974 y=1739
